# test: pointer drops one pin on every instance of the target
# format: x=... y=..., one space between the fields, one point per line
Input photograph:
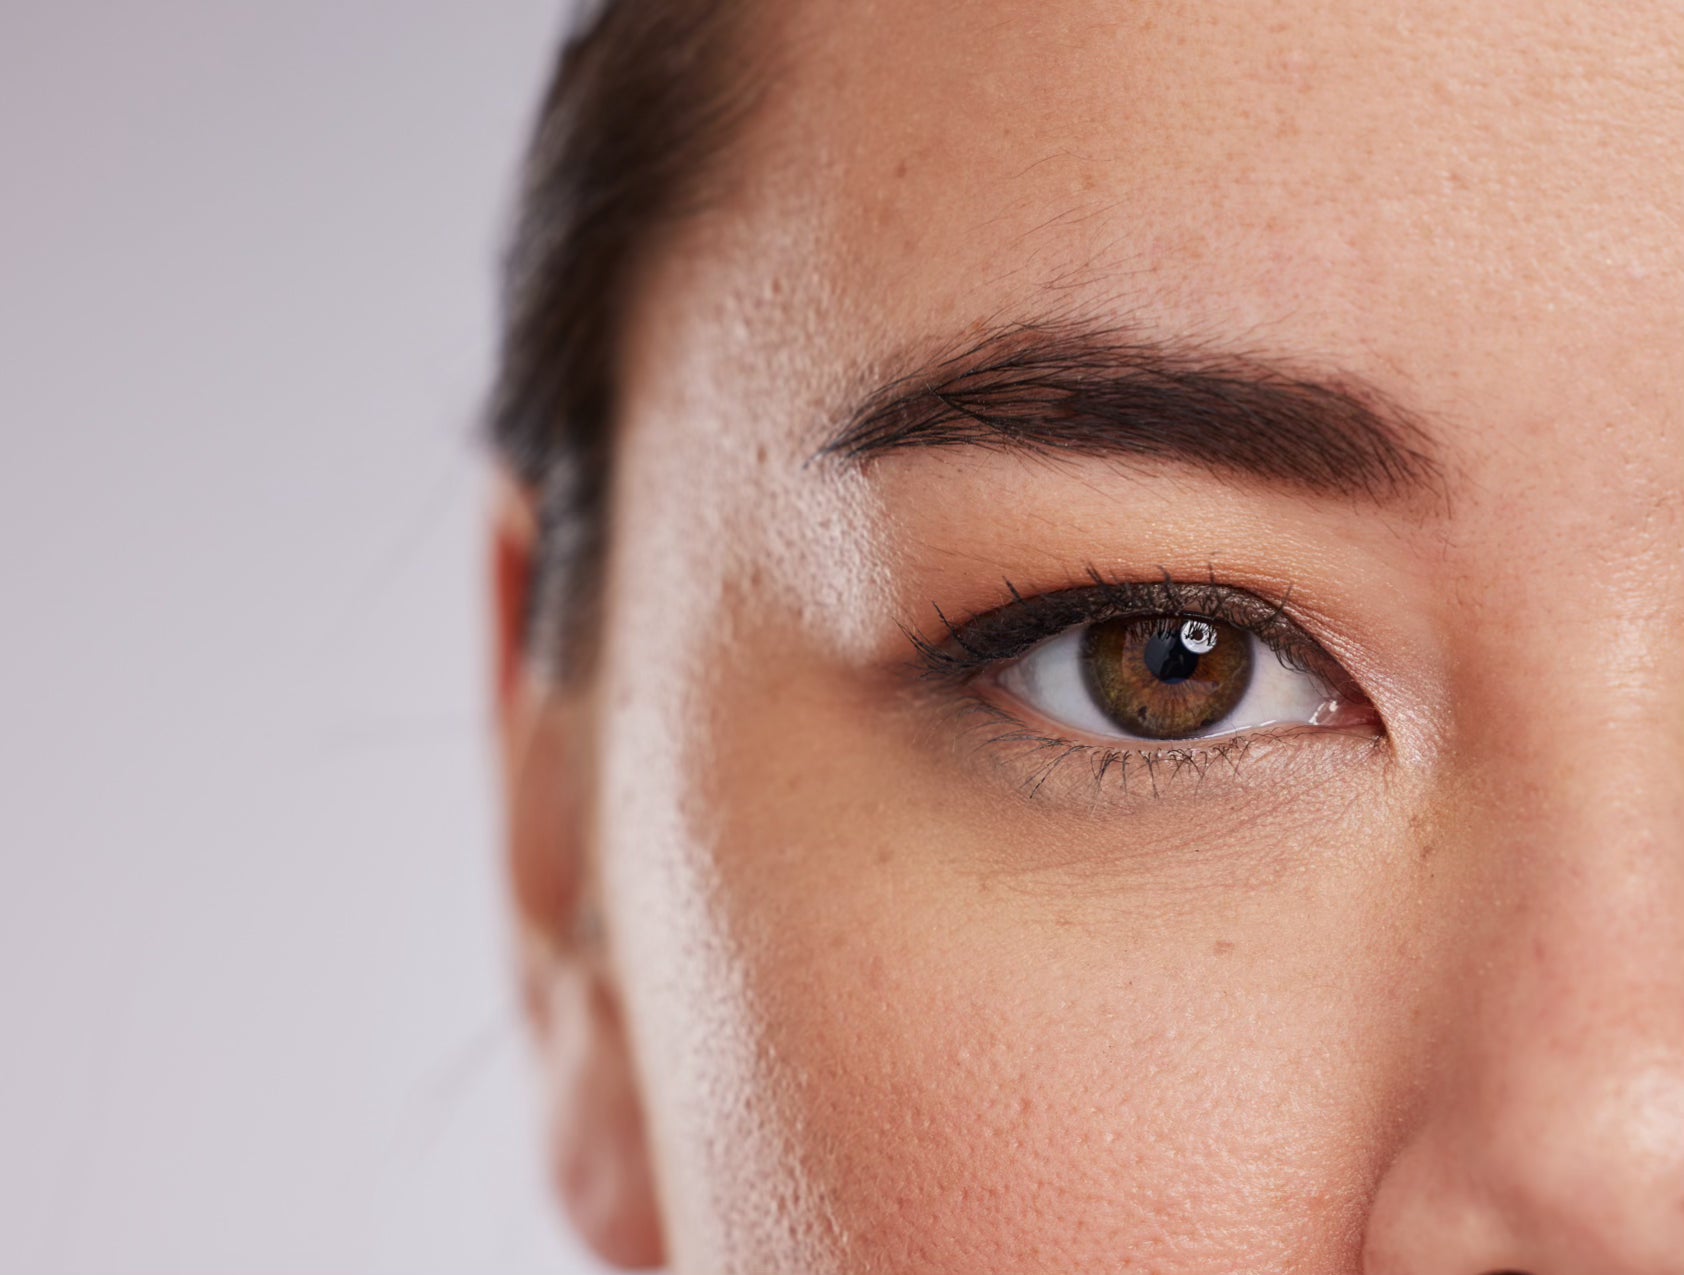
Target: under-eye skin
x=1151 y=671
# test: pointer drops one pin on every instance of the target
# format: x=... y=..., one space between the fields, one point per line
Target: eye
x=1164 y=677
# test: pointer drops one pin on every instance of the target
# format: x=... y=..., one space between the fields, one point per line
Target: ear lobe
x=598 y=1146
x=601 y=1159
x=599 y=1150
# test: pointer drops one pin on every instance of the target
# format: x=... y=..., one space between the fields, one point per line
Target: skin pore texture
x=862 y=985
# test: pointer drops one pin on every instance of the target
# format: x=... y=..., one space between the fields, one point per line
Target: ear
x=598 y=1147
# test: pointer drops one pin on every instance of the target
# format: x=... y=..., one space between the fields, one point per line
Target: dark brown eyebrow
x=1086 y=392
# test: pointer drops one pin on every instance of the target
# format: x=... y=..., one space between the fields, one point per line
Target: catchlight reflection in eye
x=1163 y=678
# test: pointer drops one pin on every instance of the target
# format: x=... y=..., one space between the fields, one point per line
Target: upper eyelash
x=1008 y=631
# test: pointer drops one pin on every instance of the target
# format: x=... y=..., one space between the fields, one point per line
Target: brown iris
x=1166 y=677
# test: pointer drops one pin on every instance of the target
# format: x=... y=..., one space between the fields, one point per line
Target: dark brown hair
x=635 y=117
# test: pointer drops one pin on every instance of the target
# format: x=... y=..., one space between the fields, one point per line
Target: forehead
x=1472 y=208
x=1356 y=180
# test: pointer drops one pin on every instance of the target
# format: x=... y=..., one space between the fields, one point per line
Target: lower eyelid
x=1048 y=768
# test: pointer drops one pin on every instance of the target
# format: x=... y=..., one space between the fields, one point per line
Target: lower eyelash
x=1155 y=767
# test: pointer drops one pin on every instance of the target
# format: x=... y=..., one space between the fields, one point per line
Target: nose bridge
x=1571 y=983
x=1580 y=754
x=1553 y=1115
x=1572 y=825
x=1559 y=1089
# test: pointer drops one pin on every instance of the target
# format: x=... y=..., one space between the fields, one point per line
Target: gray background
x=253 y=977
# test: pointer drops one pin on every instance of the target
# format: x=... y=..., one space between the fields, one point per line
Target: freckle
x=1223 y=947
x=900 y=168
x=1428 y=850
x=885 y=856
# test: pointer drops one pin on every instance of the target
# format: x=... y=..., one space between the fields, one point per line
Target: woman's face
x=1348 y=330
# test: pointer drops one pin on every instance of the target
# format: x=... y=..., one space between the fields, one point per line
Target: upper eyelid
x=996 y=636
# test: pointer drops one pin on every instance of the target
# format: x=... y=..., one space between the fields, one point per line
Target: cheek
x=968 y=1083
x=873 y=1049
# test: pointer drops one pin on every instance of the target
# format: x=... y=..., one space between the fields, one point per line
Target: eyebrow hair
x=1086 y=392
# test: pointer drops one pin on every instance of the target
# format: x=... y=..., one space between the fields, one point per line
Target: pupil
x=1168 y=659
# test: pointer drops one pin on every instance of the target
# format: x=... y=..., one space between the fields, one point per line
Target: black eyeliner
x=1008 y=631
